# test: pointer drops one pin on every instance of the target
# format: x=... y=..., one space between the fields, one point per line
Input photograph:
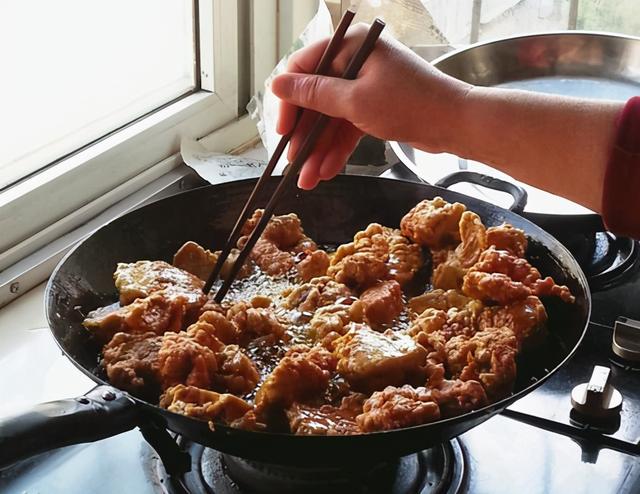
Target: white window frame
x=43 y=216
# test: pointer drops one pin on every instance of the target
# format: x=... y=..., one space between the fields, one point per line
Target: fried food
x=501 y=277
x=526 y=318
x=182 y=360
x=197 y=260
x=370 y=361
x=442 y=300
x=253 y=321
x=455 y=397
x=405 y=257
x=236 y=371
x=300 y=376
x=509 y=238
x=131 y=362
x=326 y=420
x=156 y=313
x=204 y=404
x=318 y=292
x=332 y=321
x=433 y=223
x=398 y=407
x=312 y=264
x=382 y=303
x=449 y=274
x=488 y=357
x=142 y=278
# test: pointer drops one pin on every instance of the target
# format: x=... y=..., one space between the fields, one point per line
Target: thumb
x=328 y=95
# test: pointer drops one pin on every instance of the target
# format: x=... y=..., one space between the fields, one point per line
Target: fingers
x=328 y=95
x=346 y=139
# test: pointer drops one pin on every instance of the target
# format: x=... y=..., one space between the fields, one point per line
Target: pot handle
x=518 y=193
x=102 y=412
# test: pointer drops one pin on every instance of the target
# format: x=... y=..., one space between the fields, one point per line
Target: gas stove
x=562 y=437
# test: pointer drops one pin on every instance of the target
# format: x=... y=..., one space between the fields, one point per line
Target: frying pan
x=331 y=214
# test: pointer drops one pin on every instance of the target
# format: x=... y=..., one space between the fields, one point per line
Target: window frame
x=45 y=205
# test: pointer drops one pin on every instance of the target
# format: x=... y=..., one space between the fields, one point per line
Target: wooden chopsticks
x=293 y=168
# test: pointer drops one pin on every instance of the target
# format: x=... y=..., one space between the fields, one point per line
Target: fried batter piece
x=218 y=325
x=197 y=260
x=370 y=361
x=526 y=318
x=156 y=313
x=398 y=407
x=447 y=324
x=182 y=360
x=450 y=273
x=254 y=321
x=361 y=263
x=142 y=278
x=507 y=237
x=312 y=264
x=405 y=257
x=236 y=371
x=131 y=362
x=487 y=357
x=332 y=321
x=326 y=420
x=455 y=397
x=303 y=374
x=282 y=238
x=442 y=300
x=501 y=277
x=433 y=223
x=316 y=293
x=382 y=303
x=204 y=404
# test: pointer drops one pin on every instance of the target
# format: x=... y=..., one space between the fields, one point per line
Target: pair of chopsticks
x=294 y=167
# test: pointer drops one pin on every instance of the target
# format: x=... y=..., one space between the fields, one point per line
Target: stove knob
x=626 y=339
x=597 y=399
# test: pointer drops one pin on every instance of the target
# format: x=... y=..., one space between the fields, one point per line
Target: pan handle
x=518 y=193
x=102 y=412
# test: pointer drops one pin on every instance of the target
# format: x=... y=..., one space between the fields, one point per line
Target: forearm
x=558 y=144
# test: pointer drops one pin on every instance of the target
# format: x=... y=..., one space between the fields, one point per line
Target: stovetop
x=536 y=445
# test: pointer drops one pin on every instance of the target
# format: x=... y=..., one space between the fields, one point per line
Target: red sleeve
x=621 y=193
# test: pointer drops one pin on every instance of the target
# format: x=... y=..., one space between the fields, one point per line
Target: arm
x=555 y=143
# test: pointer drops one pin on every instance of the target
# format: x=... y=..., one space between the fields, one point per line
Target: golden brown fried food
x=236 y=371
x=334 y=319
x=509 y=238
x=299 y=376
x=326 y=420
x=526 y=318
x=217 y=324
x=455 y=397
x=270 y=258
x=398 y=407
x=447 y=324
x=199 y=261
x=317 y=293
x=312 y=265
x=487 y=357
x=182 y=360
x=142 y=278
x=203 y=404
x=433 y=223
x=442 y=300
x=253 y=322
x=370 y=361
x=131 y=362
x=382 y=303
x=156 y=313
x=405 y=257
x=359 y=264
x=449 y=274
x=501 y=277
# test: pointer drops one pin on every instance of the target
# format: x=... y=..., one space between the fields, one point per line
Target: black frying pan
x=330 y=214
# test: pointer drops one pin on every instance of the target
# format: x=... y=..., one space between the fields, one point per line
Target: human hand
x=397 y=96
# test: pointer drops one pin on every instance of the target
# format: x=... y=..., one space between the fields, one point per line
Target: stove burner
x=604 y=257
x=438 y=470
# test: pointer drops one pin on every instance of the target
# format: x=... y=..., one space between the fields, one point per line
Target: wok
x=330 y=214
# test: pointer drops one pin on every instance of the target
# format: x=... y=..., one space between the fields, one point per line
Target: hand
x=397 y=96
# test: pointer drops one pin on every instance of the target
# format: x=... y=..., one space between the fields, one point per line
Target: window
x=84 y=68
x=96 y=96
